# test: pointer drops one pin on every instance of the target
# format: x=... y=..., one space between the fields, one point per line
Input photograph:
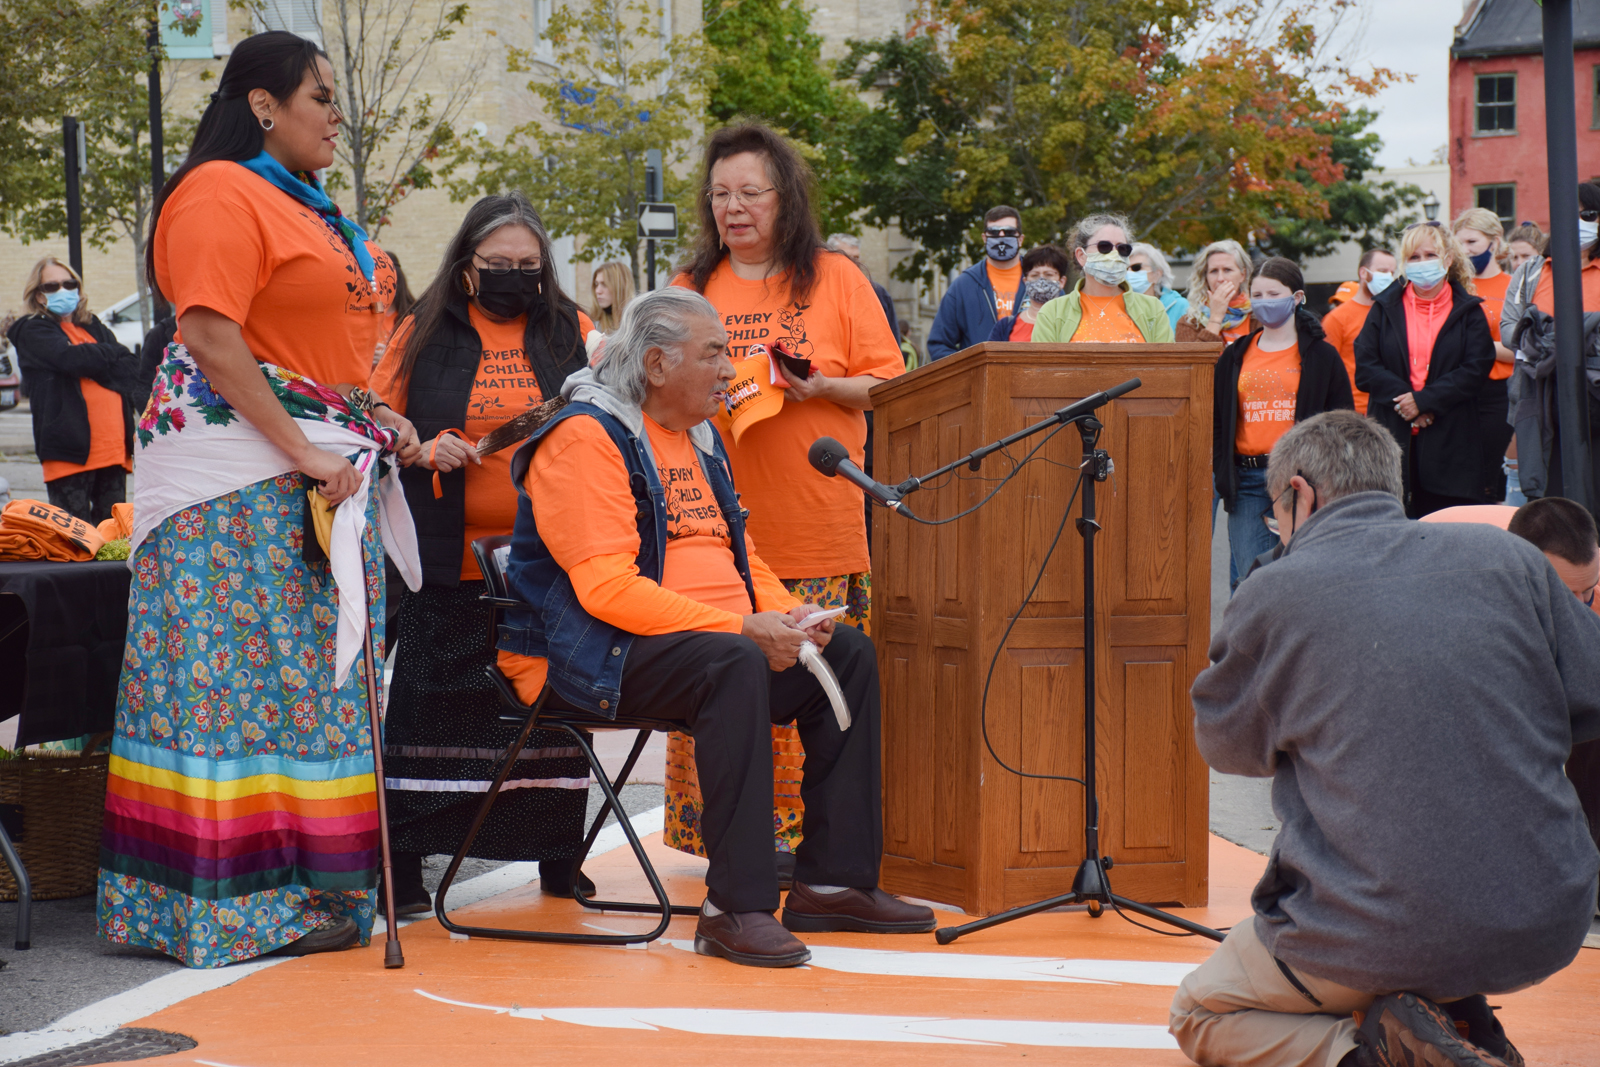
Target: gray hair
x=655 y=320
x=1200 y=287
x=1339 y=453
x=1088 y=225
x=1158 y=262
x=835 y=240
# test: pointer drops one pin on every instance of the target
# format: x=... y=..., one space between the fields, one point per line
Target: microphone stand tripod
x=1090 y=886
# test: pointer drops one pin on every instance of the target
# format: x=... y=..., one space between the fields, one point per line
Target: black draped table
x=62 y=627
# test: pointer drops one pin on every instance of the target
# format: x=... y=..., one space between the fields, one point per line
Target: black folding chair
x=492 y=554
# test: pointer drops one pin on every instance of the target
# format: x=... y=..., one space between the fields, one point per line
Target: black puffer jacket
x=1324 y=386
x=436 y=400
x=52 y=367
x=1449 y=452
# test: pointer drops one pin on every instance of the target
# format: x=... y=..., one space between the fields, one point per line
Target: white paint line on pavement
x=104 y=1016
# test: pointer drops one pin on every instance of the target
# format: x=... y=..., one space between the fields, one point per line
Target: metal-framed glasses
x=1270 y=517
x=506 y=266
x=1104 y=248
x=51 y=287
x=721 y=198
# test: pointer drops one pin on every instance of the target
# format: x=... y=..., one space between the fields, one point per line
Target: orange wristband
x=433 y=450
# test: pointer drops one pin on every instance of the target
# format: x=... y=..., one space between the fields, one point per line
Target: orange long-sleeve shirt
x=578 y=486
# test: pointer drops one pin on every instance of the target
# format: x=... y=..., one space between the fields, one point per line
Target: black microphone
x=833 y=459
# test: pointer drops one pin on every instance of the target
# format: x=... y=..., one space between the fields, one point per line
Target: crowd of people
x=299 y=377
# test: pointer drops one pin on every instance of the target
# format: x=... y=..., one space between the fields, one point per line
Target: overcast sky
x=1412 y=37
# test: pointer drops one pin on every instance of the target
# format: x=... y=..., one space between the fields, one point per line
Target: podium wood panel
x=958 y=828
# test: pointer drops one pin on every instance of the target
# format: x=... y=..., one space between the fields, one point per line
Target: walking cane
x=392 y=955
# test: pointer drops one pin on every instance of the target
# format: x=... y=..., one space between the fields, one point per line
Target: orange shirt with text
x=1343 y=325
x=231 y=241
x=809 y=525
x=1005 y=281
x=503 y=387
x=107 y=431
x=1268 y=384
x=1105 y=320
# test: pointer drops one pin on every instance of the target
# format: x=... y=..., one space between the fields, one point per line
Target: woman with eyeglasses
x=81 y=382
x=1283 y=372
x=490 y=338
x=1219 y=298
x=241 y=813
x=762 y=263
x=1424 y=356
x=1102 y=307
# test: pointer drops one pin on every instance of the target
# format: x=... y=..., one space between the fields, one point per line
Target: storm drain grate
x=126 y=1044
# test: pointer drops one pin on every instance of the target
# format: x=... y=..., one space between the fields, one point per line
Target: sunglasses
x=1006 y=231
x=1589 y=215
x=51 y=287
x=1430 y=222
x=1105 y=247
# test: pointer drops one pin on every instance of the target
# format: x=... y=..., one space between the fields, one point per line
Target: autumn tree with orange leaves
x=1197 y=121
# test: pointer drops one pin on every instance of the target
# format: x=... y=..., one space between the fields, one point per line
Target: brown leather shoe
x=753 y=938
x=332 y=936
x=868 y=911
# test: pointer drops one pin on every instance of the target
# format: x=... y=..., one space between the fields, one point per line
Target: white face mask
x=1379 y=281
x=1107 y=269
x=1587 y=232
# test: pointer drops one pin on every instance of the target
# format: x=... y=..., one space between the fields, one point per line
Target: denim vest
x=586 y=655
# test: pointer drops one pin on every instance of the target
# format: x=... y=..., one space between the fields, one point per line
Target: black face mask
x=507 y=295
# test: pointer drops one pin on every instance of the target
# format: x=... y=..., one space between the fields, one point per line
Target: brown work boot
x=1405 y=1030
x=867 y=911
x=753 y=938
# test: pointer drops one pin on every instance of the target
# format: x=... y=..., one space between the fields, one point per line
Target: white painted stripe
x=834 y=1026
x=961 y=966
x=438 y=785
x=104 y=1016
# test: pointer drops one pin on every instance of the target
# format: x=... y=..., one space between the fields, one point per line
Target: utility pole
x=158 y=170
x=72 y=145
x=1561 y=145
x=652 y=194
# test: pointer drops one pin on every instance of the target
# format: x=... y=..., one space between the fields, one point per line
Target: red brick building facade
x=1497 y=135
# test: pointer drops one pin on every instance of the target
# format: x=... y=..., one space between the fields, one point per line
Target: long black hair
x=276 y=61
x=482 y=219
x=1288 y=273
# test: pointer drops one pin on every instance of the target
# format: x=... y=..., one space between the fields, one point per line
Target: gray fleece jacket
x=1413 y=690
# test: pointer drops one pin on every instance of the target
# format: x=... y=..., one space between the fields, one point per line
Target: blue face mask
x=1379 y=281
x=62 y=301
x=1002 y=249
x=1426 y=273
x=1273 y=312
x=1138 y=280
x=1480 y=262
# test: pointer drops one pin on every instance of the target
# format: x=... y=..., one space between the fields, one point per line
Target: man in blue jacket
x=972 y=304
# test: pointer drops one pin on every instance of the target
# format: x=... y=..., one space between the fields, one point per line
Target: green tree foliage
x=1196 y=122
x=766 y=64
x=614 y=91
x=1370 y=213
x=88 y=59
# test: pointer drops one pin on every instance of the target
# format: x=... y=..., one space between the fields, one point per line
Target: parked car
x=122 y=318
x=10 y=376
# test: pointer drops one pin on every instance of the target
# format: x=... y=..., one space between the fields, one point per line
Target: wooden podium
x=958 y=828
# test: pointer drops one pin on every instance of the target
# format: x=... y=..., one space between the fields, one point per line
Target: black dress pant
x=721 y=688
x=88 y=495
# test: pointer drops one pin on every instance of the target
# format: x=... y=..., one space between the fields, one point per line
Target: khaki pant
x=1239 y=1010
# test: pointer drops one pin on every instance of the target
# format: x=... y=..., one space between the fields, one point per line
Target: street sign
x=658 y=221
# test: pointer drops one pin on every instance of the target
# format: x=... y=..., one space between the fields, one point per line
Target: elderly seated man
x=1412 y=689
x=630 y=539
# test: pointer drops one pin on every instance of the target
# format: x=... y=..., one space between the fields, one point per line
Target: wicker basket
x=63 y=799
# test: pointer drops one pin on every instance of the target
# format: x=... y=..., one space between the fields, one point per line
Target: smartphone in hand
x=800 y=368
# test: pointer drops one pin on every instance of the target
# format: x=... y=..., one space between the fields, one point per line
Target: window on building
x=297 y=16
x=1594 y=98
x=1500 y=199
x=186 y=29
x=542 y=47
x=1497 y=103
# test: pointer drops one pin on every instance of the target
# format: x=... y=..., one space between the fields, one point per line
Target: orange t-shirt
x=810 y=524
x=1343 y=325
x=107 y=431
x=1021 y=332
x=503 y=387
x=1005 y=281
x=1105 y=320
x=231 y=241
x=578 y=486
x=1493 y=291
x=1268 y=384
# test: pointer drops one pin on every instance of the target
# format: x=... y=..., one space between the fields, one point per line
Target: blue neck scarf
x=305 y=188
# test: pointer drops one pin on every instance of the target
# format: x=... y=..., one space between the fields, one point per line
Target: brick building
x=1497 y=116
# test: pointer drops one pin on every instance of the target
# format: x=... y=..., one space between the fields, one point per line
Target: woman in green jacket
x=1101 y=308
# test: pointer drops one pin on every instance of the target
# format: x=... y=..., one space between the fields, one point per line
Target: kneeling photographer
x=1413 y=690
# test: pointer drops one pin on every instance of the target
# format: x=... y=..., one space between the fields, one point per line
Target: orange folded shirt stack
x=34 y=530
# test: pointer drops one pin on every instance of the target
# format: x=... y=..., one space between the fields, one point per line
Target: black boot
x=555 y=878
x=785 y=870
x=410 y=895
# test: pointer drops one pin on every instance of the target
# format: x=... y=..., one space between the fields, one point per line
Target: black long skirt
x=443 y=741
